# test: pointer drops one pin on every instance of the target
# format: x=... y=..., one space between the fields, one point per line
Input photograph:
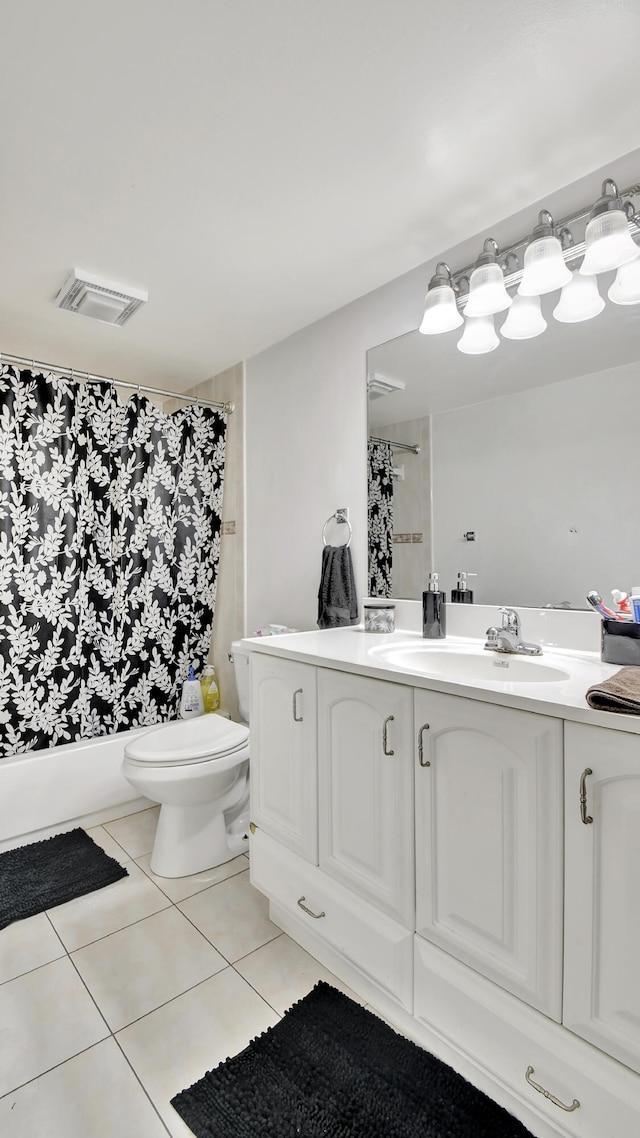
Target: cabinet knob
x=423 y=762
x=296 y=718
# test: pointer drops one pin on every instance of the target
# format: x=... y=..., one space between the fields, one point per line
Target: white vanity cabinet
x=284 y=799
x=365 y=789
x=489 y=841
x=436 y=852
x=602 y=902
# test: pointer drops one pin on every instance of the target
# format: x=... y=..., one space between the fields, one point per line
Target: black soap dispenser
x=434 y=624
x=462 y=594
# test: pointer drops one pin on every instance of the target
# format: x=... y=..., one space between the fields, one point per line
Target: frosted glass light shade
x=579 y=300
x=626 y=287
x=479 y=336
x=544 y=268
x=441 y=311
x=608 y=243
x=525 y=319
x=487 y=293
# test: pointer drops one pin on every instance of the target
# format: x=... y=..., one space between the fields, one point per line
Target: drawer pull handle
x=385 y=739
x=547 y=1094
x=423 y=762
x=586 y=818
x=316 y=916
x=296 y=718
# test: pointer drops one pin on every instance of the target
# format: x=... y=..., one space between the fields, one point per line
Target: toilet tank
x=240 y=657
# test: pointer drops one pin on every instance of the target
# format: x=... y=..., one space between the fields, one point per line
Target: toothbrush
x=595 y=600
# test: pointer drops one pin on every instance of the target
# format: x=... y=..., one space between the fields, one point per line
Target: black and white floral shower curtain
x=110 y=521
x=380 y=518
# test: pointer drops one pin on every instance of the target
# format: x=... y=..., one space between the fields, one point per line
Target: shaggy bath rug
x=331 y=1069
x=43 y=874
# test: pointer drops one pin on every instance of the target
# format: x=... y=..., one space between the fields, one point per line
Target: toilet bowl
x=197 y=769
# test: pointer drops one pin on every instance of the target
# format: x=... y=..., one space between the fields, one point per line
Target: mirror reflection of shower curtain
x=380 y=518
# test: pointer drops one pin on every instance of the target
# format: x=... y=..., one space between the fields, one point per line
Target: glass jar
x=379 y=616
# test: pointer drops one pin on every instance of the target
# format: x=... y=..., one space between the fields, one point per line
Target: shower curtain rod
x=397 y=446
x=75 y=373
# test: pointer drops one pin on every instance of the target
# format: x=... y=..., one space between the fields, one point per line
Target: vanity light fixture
x=545 y=269
x=487 y=292
x=608 y=242
x=479 y=336
x=593 y=239
x=579 y=300
x=626 y=287
x=524 y=318
x=441 y=310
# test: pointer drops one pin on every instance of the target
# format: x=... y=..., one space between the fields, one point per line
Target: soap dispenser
x=462 y=594
x=433 y=611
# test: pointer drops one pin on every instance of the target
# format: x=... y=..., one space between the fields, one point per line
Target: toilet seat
x=184 y=741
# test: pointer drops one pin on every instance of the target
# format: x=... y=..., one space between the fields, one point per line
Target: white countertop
x=350 y=650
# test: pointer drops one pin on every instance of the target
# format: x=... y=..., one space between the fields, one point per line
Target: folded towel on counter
x=337 y=601
x=621 y=693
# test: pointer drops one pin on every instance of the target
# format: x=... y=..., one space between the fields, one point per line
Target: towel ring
x=341 y=520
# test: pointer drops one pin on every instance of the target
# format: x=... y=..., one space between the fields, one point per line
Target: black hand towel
x=337 y=601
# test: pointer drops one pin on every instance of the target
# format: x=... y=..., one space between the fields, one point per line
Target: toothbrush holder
x=620 y=642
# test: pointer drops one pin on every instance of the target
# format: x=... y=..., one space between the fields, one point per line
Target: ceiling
x=255 y=165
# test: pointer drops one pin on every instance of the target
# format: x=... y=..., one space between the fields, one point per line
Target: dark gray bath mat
x=331 y=1069
x=43 y=874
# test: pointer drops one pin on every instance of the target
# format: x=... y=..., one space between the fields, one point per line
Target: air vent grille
x=110 y=303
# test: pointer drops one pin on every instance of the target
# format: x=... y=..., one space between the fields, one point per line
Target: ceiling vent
x=379 y=385
x=101 y=300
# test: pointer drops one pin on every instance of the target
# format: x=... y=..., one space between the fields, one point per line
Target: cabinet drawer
x=505 y=1038
x=373 y=943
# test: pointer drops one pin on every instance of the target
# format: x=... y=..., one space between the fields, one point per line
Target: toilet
x=198 y=770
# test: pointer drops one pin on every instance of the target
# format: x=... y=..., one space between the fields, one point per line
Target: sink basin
x=471 y=664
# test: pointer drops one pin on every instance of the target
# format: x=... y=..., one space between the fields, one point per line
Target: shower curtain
x=380 y=518
x=110 y=520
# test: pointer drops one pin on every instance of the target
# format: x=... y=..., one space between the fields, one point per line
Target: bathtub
x=79 y=782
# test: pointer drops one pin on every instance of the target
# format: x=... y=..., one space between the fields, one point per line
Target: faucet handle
x=510 y=620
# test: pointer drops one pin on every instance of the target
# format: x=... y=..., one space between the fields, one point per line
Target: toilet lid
x=189 y=740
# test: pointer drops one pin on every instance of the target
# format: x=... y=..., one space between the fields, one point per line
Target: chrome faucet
x=507 y=638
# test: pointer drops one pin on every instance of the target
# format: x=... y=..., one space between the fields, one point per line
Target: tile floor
x=114 y=1002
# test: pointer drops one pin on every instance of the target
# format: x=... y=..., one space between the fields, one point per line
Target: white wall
x=306 y=424
x=306 y=427
x=547 y=479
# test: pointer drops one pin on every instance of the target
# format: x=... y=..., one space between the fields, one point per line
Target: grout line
x=171 y=1000
x=139 y=1081
x=54 y=1067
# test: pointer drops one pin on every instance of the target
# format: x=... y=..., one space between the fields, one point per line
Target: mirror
x=528 y=463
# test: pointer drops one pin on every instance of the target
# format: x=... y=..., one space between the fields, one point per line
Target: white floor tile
x=135 y=832
x=108 y=844
x=27 y=944
x=45 y=1017
x=177 y=888
x=282 y=972
x=97 y=914
x=139 y=968
x=94 y=1095
x=174 y=1046
x=232 y=915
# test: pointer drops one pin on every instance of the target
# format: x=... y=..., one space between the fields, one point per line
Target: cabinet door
x=489 y=842
x=365 y=789
x=284 y=797
x=602 y=902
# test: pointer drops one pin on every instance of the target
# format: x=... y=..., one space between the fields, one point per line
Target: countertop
x=354 y=650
